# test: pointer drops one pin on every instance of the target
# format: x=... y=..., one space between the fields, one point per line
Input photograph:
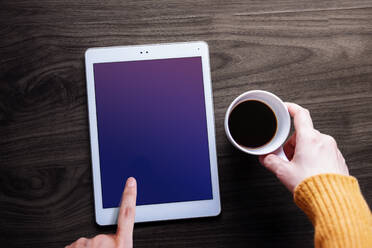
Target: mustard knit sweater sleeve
x=337 y=209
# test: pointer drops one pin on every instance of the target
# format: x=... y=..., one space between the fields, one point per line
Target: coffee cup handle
x=280 y=152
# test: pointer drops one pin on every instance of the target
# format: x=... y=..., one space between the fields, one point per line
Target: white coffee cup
x=275 y=145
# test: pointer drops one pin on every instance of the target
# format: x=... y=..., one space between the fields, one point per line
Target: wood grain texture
x=315 y=53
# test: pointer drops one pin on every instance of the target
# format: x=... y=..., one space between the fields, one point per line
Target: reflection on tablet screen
x=151 y=122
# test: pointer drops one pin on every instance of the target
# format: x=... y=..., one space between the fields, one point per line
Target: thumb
x=274 y=163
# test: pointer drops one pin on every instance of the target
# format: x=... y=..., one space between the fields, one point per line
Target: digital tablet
x=151 y=117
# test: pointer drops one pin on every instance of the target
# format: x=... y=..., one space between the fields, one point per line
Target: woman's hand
x=124 y=234
x=309 y=151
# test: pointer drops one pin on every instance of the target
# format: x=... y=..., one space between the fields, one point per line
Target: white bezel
x=165 y=211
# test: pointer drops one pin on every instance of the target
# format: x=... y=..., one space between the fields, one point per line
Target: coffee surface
x=252 y=124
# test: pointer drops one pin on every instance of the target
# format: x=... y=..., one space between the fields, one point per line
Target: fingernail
x=131 y=182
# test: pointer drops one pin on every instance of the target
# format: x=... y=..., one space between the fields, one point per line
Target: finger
x=127 y=213
x=301 y=117
x=103 y=240
x=274 y=163
x=80 y=243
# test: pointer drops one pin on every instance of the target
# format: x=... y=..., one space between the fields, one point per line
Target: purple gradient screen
x=152 y=125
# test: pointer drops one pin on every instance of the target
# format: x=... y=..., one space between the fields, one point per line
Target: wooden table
x=316 y=53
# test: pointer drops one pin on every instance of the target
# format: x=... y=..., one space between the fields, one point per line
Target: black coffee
x=252 y=124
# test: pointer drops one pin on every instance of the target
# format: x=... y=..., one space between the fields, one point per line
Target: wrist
x=332 y=202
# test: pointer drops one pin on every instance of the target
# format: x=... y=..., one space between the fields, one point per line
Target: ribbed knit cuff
x=337 y=209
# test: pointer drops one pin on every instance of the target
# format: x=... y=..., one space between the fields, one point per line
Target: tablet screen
x=151 y=121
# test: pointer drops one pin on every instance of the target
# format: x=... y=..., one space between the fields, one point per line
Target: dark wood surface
x=316 y=53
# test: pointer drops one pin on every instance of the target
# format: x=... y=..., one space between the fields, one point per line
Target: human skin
x=123 y=238
x=309 y=152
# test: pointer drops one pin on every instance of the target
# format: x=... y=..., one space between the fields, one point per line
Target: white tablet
x=151 y=117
